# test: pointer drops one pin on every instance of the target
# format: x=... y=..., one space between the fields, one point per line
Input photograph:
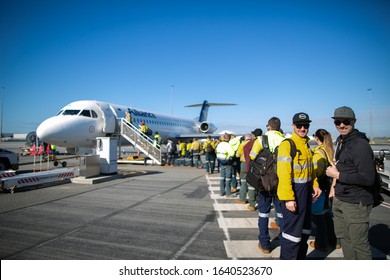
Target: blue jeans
x=235 y=171
x=226 y=177
x=210 y=163
x=264 y=201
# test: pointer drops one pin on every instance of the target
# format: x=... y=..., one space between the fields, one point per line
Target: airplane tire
x=64 y=164
x=4 y=165
x=55 y=163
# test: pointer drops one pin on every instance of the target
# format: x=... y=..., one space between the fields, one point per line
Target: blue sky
x=273 y=58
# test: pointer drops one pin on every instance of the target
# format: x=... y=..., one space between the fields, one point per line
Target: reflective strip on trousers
x=291 y=238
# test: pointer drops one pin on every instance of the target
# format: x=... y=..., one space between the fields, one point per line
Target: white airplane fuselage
x=80 y=122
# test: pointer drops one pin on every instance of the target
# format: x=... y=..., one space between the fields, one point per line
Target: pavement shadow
x=378 y=237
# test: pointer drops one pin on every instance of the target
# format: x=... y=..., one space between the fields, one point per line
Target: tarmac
x=144 y=213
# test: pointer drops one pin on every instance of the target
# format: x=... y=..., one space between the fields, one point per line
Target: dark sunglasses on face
x=305 y=125
x=345 y=122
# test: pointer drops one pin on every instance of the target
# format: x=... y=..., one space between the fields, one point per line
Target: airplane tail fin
x=205 y=108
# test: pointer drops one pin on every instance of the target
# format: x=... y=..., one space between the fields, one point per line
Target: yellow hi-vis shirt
x=300 y=172
x=182 y=148
x=240 y=151
x=274 y=140
x=320 y=163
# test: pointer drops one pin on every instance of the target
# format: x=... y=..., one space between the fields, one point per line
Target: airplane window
x=71 y=112
x=59 y=113
x=85 y=113
x=94 y=115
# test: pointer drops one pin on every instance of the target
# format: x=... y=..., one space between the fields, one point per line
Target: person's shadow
x=378 y=236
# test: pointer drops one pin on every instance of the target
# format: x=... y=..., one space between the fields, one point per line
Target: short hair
x=248 y=136
x=274 y=123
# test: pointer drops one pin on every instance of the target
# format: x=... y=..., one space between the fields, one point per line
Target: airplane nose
x=49 y=130
x=41 y=131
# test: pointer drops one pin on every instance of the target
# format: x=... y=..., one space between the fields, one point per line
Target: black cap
x=301 y=118
x=257 y=132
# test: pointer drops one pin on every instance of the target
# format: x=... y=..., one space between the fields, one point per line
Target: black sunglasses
x=345 y=122
x=305 y=125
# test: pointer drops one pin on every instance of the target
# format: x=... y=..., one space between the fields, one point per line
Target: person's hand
x=316 y=194
x=332 y=171
x=291 y=206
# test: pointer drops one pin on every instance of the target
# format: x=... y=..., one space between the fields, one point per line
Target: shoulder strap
x=323 y=152
x=293 y=148
x=264 y=142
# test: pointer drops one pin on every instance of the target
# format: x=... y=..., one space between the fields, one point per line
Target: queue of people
x=325 y=186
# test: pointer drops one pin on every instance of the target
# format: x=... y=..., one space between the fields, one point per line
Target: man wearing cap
x=265 y=199
x=354 y=171
x=295 y=190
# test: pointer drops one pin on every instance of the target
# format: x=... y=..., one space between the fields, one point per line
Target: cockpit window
x=71 y=112
x=94 y=115
x=59 y=113
x=85 y=113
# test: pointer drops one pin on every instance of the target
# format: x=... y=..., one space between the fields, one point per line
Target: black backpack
x=262 y=172
x=209 y=148
x=376 y=189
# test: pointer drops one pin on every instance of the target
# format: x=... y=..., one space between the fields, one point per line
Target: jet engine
x=207 y=127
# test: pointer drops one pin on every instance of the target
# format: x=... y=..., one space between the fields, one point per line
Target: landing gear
x=63 y=163
x=57 y=161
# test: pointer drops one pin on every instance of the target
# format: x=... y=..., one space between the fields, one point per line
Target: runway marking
x=229 y=207
x=219 y=213
x=240 y=222
x=218 y=196
x=189 y=242
x=248 y=249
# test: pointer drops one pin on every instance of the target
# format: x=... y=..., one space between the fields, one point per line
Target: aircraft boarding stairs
x=132 y=134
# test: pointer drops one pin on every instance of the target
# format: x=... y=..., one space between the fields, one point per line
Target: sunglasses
x=345 y=122
x=305 y=125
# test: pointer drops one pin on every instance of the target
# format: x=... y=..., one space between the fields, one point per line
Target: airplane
x=79 y=123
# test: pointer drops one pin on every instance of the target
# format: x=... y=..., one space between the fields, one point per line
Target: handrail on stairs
x=132 y=134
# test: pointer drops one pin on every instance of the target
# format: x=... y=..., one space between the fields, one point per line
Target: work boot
x=264 y=251
x=274 y=225
x=316 y=247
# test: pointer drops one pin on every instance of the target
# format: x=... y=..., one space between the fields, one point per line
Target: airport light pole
x=370 y=101
x=1 y=122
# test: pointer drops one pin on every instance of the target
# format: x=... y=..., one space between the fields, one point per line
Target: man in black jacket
x=354 y=170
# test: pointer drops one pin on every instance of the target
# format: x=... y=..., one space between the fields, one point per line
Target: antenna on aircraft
x=205 y=108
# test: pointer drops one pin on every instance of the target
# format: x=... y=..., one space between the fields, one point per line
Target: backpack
x=174 y=148
x=376 y=189
x=262 y=171
x=209 y=149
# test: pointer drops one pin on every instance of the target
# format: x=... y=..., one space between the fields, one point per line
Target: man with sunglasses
x=295 y=190
x=355 y=174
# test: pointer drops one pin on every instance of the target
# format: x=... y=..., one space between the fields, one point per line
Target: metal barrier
x=35 y=178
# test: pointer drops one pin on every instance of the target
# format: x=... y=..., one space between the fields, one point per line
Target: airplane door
x=109 y=118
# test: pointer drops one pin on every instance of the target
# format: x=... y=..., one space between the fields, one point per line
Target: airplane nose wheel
x=64 y=163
